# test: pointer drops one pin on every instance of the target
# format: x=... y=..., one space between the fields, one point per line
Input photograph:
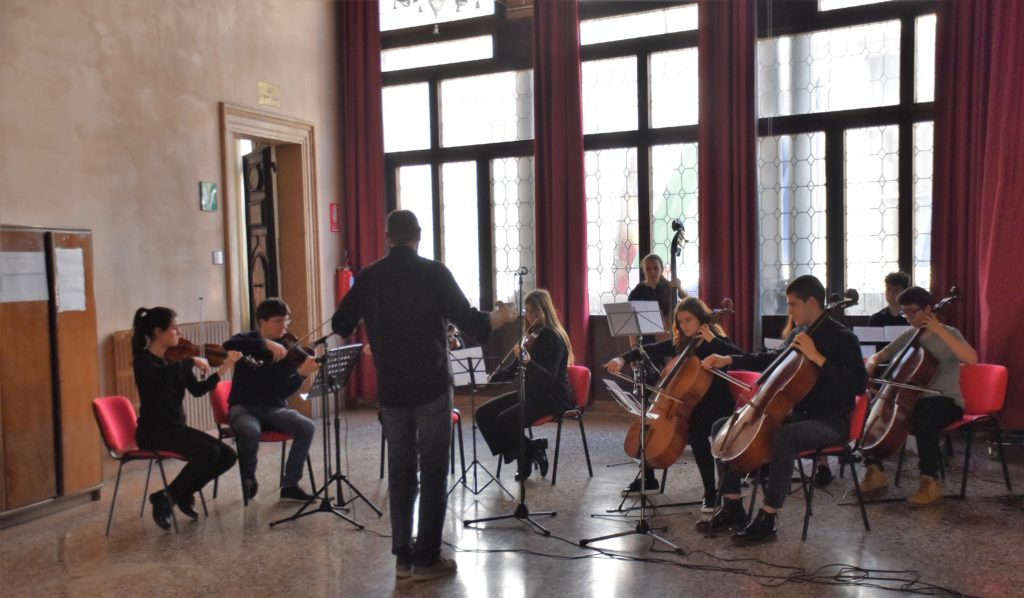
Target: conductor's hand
x=277 y=350
x=503 y=314
x=308 y=367
x=367 y=351
x=715 y=361
x=615 y=365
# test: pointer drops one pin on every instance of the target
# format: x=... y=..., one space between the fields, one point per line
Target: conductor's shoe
x=444 y=567
x=295 y=494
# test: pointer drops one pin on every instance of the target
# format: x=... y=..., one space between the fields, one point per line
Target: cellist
x=932 y=412
x=692 y=318
x=820 y=419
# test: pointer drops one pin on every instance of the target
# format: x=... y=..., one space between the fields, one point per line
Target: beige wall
x=109 y=116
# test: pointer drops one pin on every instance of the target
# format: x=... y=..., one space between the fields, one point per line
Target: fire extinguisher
x=343 y=280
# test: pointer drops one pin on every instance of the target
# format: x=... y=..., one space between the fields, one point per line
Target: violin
x=682 y=385
x=744 y=443
x=455 y=341
x=912 y=371
x=529 y=338
x=297 y=352
x=214 y=354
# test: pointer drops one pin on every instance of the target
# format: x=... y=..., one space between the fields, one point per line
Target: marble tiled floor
x=971 y=547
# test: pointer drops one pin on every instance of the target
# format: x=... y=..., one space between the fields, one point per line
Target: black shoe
x=651 y=484
x=295 y=494
x=710 y=502
x=730 y=515
x=540 y=456
x=760 y=529
x=249 y=488
x=161 y=509
x=525 y=469
x=187 y=507
x=823 y=477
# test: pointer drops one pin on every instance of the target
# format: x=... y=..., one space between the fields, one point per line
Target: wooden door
x=29 y=461
x=261 y=235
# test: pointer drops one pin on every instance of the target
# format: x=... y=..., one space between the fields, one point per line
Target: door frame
x=298 y=236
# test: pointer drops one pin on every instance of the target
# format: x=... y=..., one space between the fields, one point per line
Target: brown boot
x=928 y=493
x=874 y=481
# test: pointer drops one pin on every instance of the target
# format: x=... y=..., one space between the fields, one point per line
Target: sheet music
x=891 y=332
x=459 y=361
x=869 y=334
x=773 y=343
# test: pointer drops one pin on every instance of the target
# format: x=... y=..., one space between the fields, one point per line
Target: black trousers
x=207 y=457
x=498 y=420
x=704 y=415
x=931 y=414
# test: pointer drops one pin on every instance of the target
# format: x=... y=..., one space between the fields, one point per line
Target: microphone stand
x=522 y=512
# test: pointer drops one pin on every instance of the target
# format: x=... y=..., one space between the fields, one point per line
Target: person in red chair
x=692 y=318
x=933 y=412
x=161 y=415
x=259 y=399
x=547 y=356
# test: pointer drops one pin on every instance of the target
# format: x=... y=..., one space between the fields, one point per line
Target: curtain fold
x=727 y=176
x=978 y=182
x=560 y=198
x=362 y=138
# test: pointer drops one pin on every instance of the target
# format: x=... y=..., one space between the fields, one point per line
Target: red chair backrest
x=860 y=407
x=739 y=396
x=984 y=388
x=117 y=421
x=579 y=380
x=219 y=402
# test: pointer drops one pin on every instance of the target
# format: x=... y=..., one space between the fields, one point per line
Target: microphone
x=322 y=340
x=522 y=271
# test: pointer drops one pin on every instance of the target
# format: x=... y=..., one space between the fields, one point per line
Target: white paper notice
x=773 y=343
x=870 y=334
x=70 y=279
x=23 y=276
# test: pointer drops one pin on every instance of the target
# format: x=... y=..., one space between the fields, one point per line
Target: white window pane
x=872 y=213
x=513 y=216
x=400 y=14
x=461 y=231
x=674 y=190
x=406 y=110
x=414 y=194
x=487 y=108
x=923 y=156
x=924 y=59
x=609 y=95
x=460 y=50
x=613 y=231
x=836 y=4
x=643 y=24
x=674 y=88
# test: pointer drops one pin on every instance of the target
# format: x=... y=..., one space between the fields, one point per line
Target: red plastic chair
x=219 y=405
x=740 y=396
x=117 y=421
x=579 y=381
x=456 y=425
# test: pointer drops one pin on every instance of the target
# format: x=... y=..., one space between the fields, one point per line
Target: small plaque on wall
x=268 y=95
x=207 y=196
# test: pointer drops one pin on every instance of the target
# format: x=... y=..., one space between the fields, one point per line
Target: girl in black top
x=654 y=287
x=161 y=416
x=547 y=388
x=692 y=318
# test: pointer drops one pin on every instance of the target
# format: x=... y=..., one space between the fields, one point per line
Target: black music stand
x=335 y=368
x=625 y=319
x=522 y=512
x=467 y=366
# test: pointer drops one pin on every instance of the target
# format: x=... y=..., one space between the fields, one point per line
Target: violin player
x=259 y=399
x=933 y=412
x=820 y=419
x=162 y=426
x=692 y=319
x=547 y=387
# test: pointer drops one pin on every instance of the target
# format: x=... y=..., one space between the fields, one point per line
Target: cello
x=682 y=385
x=745 y=441
x=912 y=370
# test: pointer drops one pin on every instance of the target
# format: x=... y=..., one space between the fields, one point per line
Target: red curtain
x=727 y=40
x=561 y=225
x=978 y=180
x=362 y=140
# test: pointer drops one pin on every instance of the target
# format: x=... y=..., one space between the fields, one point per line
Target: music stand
x=335 y=368
x=634 y=319
x=467 y=367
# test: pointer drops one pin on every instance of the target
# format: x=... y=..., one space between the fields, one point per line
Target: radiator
x=197 y=409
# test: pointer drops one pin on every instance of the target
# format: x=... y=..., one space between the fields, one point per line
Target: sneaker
x=874 y=481
x=823 y=477
x=161 y=509
x=928 y=493
x=710 y=502
x=444 y=567
x=760 y=529
x=295 y=494
x=249 y=488
x=634 y=487
x=730 y=515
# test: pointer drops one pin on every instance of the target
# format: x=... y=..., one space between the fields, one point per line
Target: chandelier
x=435 y=5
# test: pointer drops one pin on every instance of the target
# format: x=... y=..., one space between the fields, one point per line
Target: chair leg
x=145 y=489
x=558 y=446
x=312 y=479
x=163 y=477
x=899 y=465
x=451 y=450
x=967 y=461
x=1002 y=457
x=753 y=494
x=241 y=481
x=462 y=448
x=808 y=486
x=280 y=477
x=383 y=448
x=586 y=449
x=497 y=473
x=664 y=476
x=216 y=481
x=202 y=499
x=113 y=501
x=856 y=486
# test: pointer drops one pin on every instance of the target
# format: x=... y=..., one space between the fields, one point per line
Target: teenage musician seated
x=890 y=315
x=933 y=412
x=820 y=419
x=546 y=386
x=259 y=398
x=692 y=318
